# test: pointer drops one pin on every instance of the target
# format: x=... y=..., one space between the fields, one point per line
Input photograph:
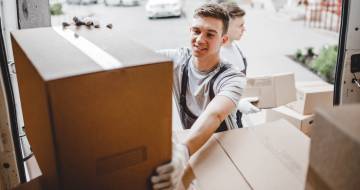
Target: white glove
x=245 y=106
x=168 y=175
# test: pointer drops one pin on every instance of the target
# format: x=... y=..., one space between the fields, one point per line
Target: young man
x=231 y=51
x=206 y=89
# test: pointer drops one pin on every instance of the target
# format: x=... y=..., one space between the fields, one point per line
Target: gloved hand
x=245 y=106
x=168 y=175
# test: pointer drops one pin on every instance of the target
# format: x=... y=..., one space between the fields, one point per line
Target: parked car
x=164 y=8
x=82 y=1
x=121 y=2
x=73 y=2
x=86 y=2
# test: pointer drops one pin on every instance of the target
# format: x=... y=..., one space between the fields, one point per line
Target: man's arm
x=216 y=111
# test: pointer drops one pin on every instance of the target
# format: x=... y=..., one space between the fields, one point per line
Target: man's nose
x=200 y=38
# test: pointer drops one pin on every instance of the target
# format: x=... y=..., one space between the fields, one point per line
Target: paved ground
x=271 y=36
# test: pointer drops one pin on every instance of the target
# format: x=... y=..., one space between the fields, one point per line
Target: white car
x=84 y=2
x=164 y=8
x=122 y=2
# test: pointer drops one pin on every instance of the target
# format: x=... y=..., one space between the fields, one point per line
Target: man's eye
x=196 y=31
x=209 y=35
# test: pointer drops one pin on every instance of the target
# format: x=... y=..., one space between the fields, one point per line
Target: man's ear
x=225 y=39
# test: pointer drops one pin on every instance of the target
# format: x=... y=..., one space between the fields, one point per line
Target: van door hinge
x=11 y=66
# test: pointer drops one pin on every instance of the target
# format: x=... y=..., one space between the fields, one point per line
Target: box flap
x=209 y=165
x=275 y=151
x=55 y=56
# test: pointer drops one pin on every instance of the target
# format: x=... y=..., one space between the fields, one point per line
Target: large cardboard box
x=273 y=91
x=97 y=107
x=269 y=156
x=302 y=122
x=311 y=95
x=34 y=184
x=335 y=149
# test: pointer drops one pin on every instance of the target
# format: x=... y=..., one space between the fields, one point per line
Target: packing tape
x=99 y=56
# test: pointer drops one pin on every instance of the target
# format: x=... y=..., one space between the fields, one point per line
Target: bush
x=56 y=9
x=305 y=58
x=325 y=63
x=299 y=56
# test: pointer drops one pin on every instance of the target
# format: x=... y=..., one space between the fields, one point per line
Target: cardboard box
x=273 y=91
x=269 y=156
x=34 y=184
x=311 y=95
x=302 y=122
x=97 y=107
x=335 y=149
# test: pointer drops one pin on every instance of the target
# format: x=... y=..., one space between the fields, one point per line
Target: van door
x=347 y=76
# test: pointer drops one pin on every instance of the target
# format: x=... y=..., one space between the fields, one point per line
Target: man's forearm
x=216 y=111
x=202 y=130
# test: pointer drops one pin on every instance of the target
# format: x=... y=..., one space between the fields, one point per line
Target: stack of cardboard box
x=97 y=107
x=310 y=95
x=272 y=90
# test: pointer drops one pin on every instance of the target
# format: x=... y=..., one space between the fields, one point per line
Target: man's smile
x=199 y=48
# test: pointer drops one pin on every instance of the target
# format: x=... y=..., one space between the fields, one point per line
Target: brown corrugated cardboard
x=335 y=149
x=214 y=170
x=311 y=95
x=90 y=126
x=273 y=91
x=275 y=149
x=34 y=184
x=303 y=122
x=269 y=156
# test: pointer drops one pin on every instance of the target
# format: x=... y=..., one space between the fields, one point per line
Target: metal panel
x=8 y=161
x=11 y=165
x=353 y=36
x=33 y=13
x=9 y=23
x=350 y=92
x=346 y=90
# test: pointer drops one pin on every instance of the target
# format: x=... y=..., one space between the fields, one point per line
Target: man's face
x=206 y=36
x=236 y=28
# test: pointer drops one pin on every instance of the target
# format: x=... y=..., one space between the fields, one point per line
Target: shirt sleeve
x=231 y=85
x=169 y=53
x=176 y=55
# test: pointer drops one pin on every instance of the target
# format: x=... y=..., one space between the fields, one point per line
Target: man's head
x=236 y=25
x=208 y=30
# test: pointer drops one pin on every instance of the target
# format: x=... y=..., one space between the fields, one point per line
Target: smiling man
x=206 y=89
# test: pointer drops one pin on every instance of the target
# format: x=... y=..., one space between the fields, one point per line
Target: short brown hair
x=233 y=9
x=214 y=10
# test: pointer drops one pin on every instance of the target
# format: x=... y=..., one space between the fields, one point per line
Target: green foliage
x=305 y=58
x=56 y=9
x=325 y=63
x=310 y=52
x=298 y=55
